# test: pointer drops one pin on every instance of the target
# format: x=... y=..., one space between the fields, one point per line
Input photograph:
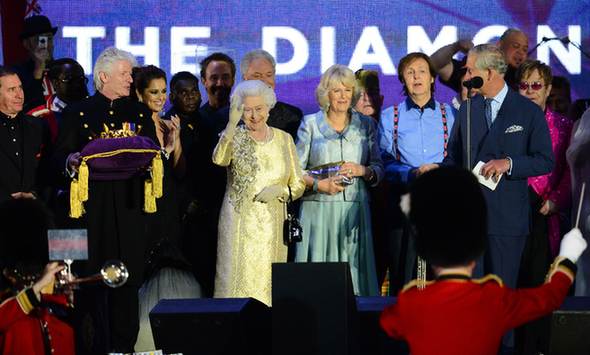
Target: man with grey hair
x=114 y=217
x=509 y=135
x=258 y=64
x=513 y=43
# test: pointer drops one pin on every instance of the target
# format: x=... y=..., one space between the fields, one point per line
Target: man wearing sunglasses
x=509 y=135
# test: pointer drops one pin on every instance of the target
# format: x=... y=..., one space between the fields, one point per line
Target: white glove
x=235 y=114
x=269 y=193
x=572 y=245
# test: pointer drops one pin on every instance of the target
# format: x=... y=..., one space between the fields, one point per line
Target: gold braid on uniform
x=561 y=264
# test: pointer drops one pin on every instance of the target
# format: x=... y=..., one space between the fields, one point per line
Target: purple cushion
x=122 y=165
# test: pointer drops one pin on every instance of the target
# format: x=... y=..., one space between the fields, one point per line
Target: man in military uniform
x=455 y=314
x=33 y=318
x=114 y=218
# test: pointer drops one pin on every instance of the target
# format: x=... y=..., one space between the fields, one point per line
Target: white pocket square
x=513 y=128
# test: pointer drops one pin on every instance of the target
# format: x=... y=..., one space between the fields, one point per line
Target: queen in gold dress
x=262 y=166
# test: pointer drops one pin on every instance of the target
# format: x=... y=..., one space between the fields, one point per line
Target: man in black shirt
x=22 y=141
x=218 y=73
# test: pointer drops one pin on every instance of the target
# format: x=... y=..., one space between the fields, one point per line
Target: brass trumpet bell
x=114 y=274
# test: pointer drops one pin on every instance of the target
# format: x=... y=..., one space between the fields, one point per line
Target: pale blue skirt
x=340 y=231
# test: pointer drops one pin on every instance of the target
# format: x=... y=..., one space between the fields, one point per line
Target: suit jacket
x=286 y=117
x=519 y=132
x=24 y=178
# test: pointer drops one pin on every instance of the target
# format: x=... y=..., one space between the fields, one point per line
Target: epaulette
x=414 y=283
x=488 y=278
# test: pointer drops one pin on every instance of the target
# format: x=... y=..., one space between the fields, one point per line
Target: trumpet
x=114 y=274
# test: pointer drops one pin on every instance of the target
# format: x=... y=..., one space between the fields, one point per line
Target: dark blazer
x=24 y=178
x=286 y=117
x=519 y=132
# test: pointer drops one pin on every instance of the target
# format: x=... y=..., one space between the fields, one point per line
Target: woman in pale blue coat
x=335 y=216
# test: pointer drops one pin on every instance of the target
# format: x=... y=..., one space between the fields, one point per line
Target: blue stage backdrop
x=307 y=36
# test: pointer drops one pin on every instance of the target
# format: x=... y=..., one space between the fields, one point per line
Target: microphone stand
x=579 y=47
x=545 y=39
x=468 y=129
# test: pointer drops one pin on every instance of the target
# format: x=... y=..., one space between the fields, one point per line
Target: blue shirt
x=497 y=101
x=420 y=138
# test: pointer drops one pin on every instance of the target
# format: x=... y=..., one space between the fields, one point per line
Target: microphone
x=564 y=40
x=475 y=83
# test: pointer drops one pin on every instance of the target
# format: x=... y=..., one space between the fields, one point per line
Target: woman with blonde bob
x=335 y=213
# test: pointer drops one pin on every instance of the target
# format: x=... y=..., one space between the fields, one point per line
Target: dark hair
x=369 y=80
x=219 y=57
x=410 y=58
x=529 y=66
x=56 y=67
x=142 y=77
x=449 y=214
x=5 y=71
x=183 y=75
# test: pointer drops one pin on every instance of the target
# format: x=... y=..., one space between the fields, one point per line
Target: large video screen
x=307 y=36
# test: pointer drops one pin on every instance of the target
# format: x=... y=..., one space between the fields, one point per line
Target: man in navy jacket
x=509 y=134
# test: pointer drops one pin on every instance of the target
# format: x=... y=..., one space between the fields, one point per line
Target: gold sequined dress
x=250 y=232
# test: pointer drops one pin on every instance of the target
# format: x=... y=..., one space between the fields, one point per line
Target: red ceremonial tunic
x=463 y=316
x=29 y=330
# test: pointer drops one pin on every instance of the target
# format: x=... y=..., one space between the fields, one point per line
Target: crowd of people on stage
x=232 y=164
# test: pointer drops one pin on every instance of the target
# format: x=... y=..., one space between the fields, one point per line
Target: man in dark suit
x=509 y=134
x=22 y=140
x=260 y=65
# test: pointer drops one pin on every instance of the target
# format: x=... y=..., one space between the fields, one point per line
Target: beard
x=221 y=93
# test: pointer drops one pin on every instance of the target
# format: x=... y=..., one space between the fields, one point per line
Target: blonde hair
x=336 y=74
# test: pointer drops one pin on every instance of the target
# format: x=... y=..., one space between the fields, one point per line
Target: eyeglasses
x=536 y=85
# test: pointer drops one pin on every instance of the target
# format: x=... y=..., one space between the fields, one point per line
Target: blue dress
x=338 y=227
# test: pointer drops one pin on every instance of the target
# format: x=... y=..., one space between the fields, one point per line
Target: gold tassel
x=76 y=207
x=83 y=182
x=149 y=200
x=157 y=175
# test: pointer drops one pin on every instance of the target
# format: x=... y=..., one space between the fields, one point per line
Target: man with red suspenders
x=412 y=136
